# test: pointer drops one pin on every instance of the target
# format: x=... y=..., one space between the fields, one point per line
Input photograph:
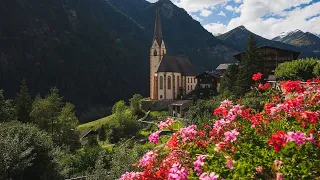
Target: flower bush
x=280 y=142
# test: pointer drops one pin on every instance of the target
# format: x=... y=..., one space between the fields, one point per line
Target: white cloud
x=253 y=13
x=221 y=13
x=197 y=5
x=233 y=9
x=195 y=17
x=205 y=13
x=267 y=18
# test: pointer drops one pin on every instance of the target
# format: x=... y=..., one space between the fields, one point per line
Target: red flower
x=312 y=117
x=263 y=87
x=246 y=114
x=257 y=77
x=221 y=111
x=278 y=140
x=268 y=107
x=276 y=98
x=256 y=120
x=292 y=86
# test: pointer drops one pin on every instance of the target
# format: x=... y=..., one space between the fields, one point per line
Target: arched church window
x=161 y=82
x=169 y=82
x=155 y=53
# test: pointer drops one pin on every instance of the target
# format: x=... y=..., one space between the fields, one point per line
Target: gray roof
x=180 y=102
x=223 y=66
x=177 y=64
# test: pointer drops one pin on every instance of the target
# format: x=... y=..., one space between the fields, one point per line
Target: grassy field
x=96 y=124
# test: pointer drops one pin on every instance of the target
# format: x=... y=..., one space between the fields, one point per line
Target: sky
x=267 y=18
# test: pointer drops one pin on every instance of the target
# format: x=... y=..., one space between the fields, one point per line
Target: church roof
x=177 y=64
x=157 y=28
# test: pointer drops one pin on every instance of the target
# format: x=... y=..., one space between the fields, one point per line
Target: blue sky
x=267 y=18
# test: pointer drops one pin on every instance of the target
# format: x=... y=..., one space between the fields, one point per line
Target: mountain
x=301 y=39
x=239 y=36
x=95 y=51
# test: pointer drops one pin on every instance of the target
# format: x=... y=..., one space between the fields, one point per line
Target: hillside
x=95 y=51
x=301 y=39
x=240 y=35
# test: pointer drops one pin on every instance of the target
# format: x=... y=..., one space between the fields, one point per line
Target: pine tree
x=102 y=133
x=229 y=79
x=251 y=63
x=23 y=103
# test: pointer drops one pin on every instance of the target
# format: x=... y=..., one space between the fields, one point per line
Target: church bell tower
x=157 y=51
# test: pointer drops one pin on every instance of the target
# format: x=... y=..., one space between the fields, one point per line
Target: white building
x=170 y=76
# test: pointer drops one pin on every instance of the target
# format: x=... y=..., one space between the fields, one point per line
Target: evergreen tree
x=229 y=79
x=135 y=104
x=57 y=118
x=251 y=63
x=7 y=110
x=102 y=133
x=23 y=103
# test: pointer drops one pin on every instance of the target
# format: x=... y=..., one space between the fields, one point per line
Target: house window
x=191 y=87
x=161 y=82
x=155 y=53
x=188 y=80
x=188 y=87
x=169 y=82
x=160 y=96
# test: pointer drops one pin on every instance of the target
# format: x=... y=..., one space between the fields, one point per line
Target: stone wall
x=147 y=105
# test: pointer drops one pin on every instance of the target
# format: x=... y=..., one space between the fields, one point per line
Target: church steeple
x=158 y=28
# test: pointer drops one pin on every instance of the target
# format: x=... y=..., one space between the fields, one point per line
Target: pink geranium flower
x=231 y=135
x=199 y=163
x=177 y=172
x=211 y=176
x=154 y=137
x=230 y=162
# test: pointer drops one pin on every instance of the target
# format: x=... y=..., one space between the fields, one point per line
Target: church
x=171 y=77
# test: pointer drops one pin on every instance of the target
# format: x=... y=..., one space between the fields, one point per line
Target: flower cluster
x=211 y=176
x=231 y=135
x=243 y=142
x=166 y=124
x=131 y=175
x=198 y=163
x=154 y=137
x=148 y=158
x=257 y=77
x=177 y=172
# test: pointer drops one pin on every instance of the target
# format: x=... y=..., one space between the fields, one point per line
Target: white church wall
x=191 y=82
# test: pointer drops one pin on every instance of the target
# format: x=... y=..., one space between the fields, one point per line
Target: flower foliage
x=280 y=142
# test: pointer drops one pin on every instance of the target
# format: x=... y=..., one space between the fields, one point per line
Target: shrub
x=301 y=69
x=26 y=153
x=316 y=70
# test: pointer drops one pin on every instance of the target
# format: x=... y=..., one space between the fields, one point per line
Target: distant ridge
x=239 y=36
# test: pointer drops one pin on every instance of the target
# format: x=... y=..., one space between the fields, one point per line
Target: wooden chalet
x=273 y=57
x=208 y=84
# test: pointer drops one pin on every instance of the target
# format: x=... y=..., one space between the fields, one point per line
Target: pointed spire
x=158 y=28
